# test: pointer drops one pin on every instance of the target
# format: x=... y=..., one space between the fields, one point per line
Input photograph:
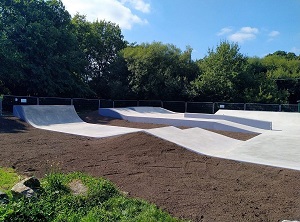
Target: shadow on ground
x=11 y=125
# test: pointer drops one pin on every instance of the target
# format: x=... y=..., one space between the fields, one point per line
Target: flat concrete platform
x=279 y=147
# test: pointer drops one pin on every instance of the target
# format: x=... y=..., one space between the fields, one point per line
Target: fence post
x=37 y=100
x=213 y=108
x=279 y=108
x=0 y=107
x=71 y=101
x=185 y=107
x=162 y=104
x=99 y=104
x=113 y=103
x=245 y=106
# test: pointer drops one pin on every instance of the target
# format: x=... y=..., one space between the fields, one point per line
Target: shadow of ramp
x=12 y=125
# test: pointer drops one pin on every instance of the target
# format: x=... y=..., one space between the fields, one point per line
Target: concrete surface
x=63 y=118
x=197 y=139
x=160 y=116
x=261 y=124
x=279 y=147
x=150 y=109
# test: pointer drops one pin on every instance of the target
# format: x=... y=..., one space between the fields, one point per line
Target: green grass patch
x=100 y=200
x=8 y=178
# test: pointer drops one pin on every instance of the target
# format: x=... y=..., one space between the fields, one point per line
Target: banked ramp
x=63 y=118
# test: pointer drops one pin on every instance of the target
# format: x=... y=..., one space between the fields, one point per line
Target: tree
x=284 y=69
x=159 y=71
x=39 y=54
x=223 y=74
x=262 y=89
x=100 y=41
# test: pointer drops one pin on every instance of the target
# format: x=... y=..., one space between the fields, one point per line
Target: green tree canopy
x=100 y=41
x=39 y=53
x=262 y=89
x=159 y=71
x=222 y=73
x=284 y=68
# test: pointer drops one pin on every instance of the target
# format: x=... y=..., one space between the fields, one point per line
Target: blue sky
x=259 y=27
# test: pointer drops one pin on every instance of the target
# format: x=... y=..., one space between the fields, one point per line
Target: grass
x=102 y=201
x=8 y=178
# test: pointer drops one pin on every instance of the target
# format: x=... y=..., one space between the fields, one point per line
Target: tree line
x=46 y=52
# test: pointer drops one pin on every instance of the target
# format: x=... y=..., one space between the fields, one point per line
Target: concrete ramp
x=47 y=115
x=63 y=118
x=198 y=140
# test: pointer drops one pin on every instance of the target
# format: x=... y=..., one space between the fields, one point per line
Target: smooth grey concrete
x=160 y=116
x=150 y=109
x=261 y=124
x=278 y=147
x=197 y=139
x=63 y=118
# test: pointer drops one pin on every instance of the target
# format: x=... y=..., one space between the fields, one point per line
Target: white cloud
x=224 y=31
x=295 y=50
x=249 y=30
x=109 y=10
x=244 y=34
x=274 y=34
x=139 y=5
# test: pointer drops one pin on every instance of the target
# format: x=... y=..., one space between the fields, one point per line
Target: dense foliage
x=45 y=52
x=100 y=41
x=39 y=54
x=159 y=71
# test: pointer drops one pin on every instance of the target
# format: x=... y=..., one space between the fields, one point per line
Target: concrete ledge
x=150 y=109
x=175 y=119
x=267 y=125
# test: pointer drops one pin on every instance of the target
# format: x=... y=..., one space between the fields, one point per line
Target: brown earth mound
x=185 y=184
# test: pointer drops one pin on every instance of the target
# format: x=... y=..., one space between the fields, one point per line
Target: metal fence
x=82 y=104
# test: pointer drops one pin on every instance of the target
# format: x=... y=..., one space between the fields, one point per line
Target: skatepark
x=276 y=145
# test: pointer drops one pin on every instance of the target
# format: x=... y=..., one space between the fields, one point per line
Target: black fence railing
x=82 y=104
x=154 y=103
x=175 y=106
x=54 y=101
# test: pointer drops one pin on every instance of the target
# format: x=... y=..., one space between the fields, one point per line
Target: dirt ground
x=186 y=184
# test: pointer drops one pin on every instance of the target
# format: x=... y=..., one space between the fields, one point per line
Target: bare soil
x=185 y=184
